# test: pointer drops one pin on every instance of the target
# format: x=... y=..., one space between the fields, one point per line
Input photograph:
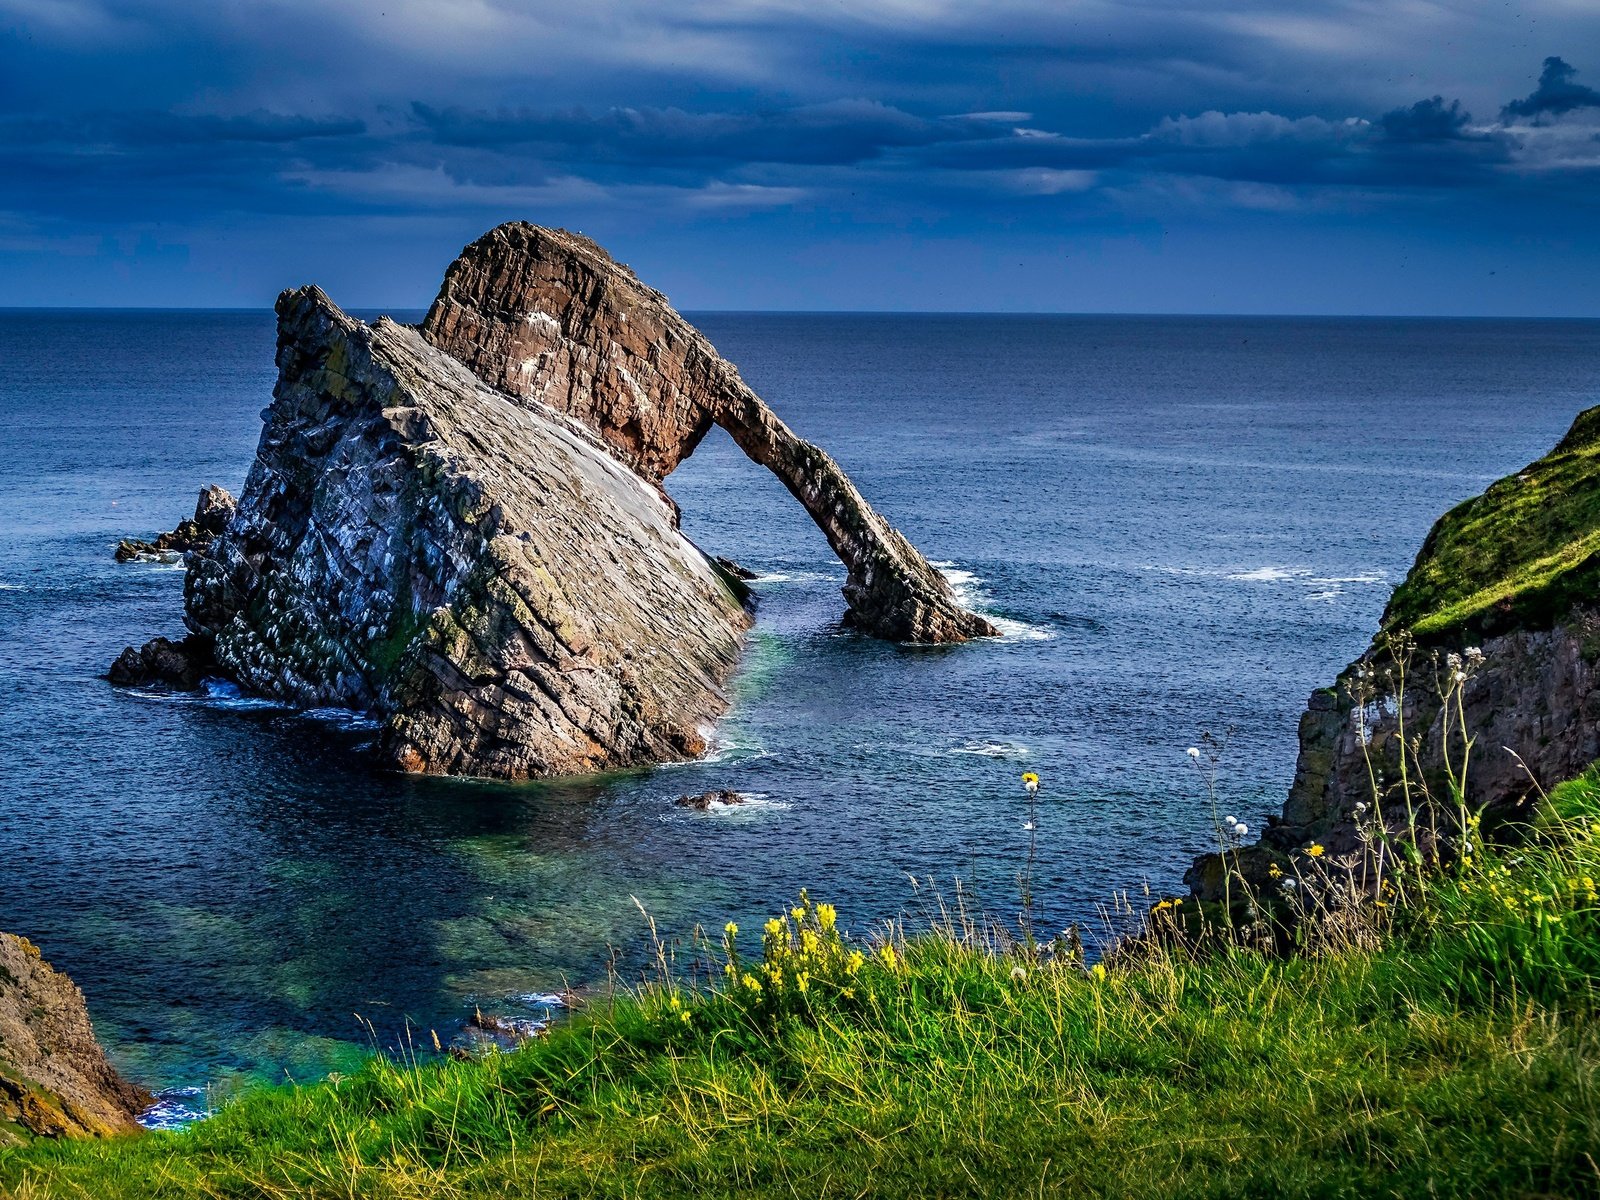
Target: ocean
x=1181 y=524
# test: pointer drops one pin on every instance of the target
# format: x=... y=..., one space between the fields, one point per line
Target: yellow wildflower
x=1029 y=777
x=730 y=929
x=888 y=955
x=1097 y=972
x=827 y=915
x=1274 y=871
x=1316 y=850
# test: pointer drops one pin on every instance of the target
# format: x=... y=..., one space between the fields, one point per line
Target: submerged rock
x=211 y=516
x=548 y=316
x=478 y=571
x=55 y=1080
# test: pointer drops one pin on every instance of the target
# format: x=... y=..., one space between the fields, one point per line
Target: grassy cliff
x=1445 y=1048
x=1519 y=555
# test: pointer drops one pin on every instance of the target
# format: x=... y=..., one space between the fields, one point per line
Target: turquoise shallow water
x=1181 y=523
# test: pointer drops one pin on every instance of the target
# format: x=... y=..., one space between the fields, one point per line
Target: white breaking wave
x=1268 y=575
x=348 y=718
x=796 y=576
x=968 y=589
x=993 y=749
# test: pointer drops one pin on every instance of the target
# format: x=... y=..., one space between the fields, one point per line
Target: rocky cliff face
x=55 y=1080
x=1505 y=591
x=547 y=316
x=479 y=571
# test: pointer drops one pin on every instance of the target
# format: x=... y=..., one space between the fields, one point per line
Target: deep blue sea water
x=1182 y=523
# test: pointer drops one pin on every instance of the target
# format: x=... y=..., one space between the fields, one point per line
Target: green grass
x=1521 y=554
x=1458 y=1058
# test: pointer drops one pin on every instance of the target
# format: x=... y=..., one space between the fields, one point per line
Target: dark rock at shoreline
x=211 y=516
x=737 y=571
x=706 y=799
x=55 y=1080
x=182 y=664
x=547 y=316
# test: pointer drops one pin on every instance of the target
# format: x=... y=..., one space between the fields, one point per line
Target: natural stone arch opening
x=547 y=315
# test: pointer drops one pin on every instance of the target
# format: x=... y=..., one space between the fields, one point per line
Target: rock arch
x=547 y=315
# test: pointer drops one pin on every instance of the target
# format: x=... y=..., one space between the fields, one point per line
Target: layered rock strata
x=479 y=571
x=547 y=316
x=55 y=1080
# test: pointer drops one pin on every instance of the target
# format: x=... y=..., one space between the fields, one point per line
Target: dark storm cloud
x=1556 y=93
x=895 y=115
x=1427 y=121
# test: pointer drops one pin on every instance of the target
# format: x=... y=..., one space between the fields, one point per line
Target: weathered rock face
x=479 y=571
x=55 y=1080
x=547 y=315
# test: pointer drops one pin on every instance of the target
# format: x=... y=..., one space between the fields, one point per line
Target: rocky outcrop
x=182 y=664
x=704 y=801
x=55 y=1080
x=548 y=316
x=1502 y=611
x=479 y=571
x=211 y=516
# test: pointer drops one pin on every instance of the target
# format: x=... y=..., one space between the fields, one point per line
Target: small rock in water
x=736 y=570
x=706 y=799
x=161 y=660
x=212 y=513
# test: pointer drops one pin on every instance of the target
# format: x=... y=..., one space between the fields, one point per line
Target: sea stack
x=548 y=316
x=462 y=529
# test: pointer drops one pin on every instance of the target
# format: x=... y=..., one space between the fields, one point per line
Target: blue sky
x=1276 y=156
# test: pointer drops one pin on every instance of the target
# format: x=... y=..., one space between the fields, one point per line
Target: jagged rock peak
x=547 y=316
x=478 y=571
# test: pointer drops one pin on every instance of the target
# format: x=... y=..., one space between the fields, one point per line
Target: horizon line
x=854 y=312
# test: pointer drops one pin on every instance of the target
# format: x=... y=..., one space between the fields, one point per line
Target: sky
x=1411 y=157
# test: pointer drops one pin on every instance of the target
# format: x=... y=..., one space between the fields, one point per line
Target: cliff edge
x=55 y=1080
x=1502 y=605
